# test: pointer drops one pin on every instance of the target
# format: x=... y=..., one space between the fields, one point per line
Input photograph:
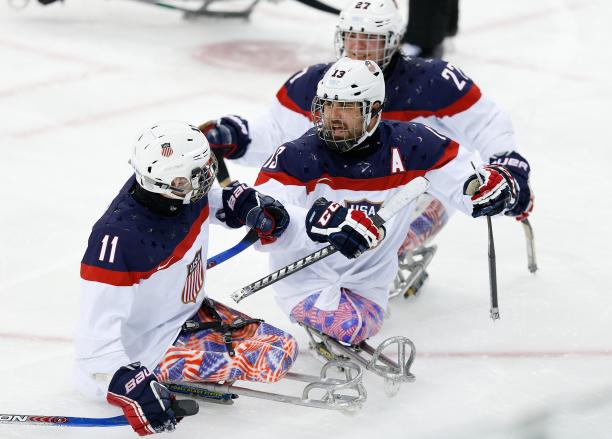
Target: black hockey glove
x=144 y=401
x=350 y=231
x=520 y=169
x=243 y=205
x=495 y=194
x=230 y=135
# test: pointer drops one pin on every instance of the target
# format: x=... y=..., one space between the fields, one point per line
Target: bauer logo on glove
x=243 y=205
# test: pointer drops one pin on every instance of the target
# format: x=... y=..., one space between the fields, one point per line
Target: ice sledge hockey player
x=346 y=167
x=143 y=276
x=429 y=91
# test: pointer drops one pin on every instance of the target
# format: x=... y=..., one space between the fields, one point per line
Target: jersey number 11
x=113 y=243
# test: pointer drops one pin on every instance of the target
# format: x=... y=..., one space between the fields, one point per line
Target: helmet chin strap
x=367 y=133
x=187 y=197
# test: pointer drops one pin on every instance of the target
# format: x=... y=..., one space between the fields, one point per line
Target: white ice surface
x=78 y=81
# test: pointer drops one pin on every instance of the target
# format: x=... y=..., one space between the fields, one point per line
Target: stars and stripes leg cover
x=263 y=353
x=355 y=320
x=430 y=221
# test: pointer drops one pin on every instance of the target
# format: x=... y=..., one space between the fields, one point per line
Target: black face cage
x=390 y=47
x=203 y=178
x=346 y=138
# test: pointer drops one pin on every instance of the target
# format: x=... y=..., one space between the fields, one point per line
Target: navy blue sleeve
x=422 y=148
x=423 y=88
x=113 y=257
x=109 y=248
x=296 y=162
x=299 y=90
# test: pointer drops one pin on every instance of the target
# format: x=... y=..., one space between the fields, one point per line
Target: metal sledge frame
x=346 y=394
x=393 y=372
x=409 y=285
x=204 y=10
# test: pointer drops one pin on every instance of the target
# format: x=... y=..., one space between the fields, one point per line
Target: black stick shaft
x=223 y=176
x=492 y=272
x=492 y=264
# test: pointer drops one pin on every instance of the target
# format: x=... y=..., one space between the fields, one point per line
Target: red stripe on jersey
x=286 y=101
x=285 y=179
x=462 y=104
x=128 y=278
x=450 y=153
x=339 y=183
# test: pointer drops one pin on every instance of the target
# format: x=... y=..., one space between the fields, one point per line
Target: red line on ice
x=433 y=355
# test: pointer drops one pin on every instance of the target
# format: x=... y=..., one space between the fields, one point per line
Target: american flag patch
x=366 y=206
x=166 y=150
x=370 y=67
x=195 y=279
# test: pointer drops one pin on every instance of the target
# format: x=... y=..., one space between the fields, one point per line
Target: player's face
x=343 y=119
x=199 y=185
x=181 y=186
x=362 y=46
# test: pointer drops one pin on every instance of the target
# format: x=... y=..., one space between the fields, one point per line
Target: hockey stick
x=531 y=258
x=204 y=9
x=181 y=408
x=492 y=263
x=244 y=243
x=223 y=176
x=391 y=207
x=320 y=6
x=224 y=179
x=492 y=272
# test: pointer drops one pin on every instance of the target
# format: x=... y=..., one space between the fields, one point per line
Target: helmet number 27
x=362 y=5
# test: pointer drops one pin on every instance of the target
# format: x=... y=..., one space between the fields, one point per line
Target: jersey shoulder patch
x=299 y=90
x=428 y=87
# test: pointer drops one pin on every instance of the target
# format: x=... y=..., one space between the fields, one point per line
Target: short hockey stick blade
x=248 y=240
x=531 y=257
x=185 y=407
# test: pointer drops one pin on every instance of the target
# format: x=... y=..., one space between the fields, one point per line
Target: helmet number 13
x=338 y=73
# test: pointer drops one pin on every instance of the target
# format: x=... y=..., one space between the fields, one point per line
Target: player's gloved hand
x=518 y=166
x=350 y=231
x=144 y=401
x=496 y=194
x=230 y=135
x=243 y=205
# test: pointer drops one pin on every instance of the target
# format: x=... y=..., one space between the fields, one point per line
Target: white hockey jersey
x=301 y=171
x=142 y=278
